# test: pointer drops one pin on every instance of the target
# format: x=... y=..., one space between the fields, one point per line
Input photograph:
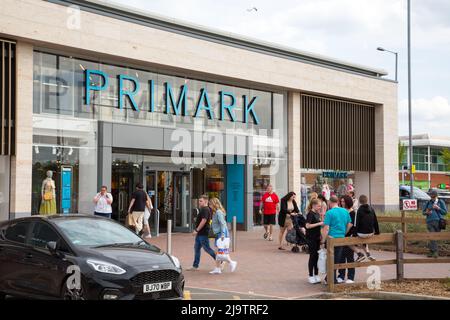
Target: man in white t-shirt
x=103 y=201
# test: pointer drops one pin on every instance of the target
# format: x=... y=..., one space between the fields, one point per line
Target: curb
x=376 y=295
x=385 y=295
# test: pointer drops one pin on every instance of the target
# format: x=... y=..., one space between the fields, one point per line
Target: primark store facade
x=95 y=94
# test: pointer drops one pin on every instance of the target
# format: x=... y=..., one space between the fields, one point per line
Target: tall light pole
x=409 y=101
x=396 y=60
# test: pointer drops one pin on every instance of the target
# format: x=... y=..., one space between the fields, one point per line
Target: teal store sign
x=227 y=100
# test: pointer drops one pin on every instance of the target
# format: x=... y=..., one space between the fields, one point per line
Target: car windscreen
x=97 y=232
x=419 y=194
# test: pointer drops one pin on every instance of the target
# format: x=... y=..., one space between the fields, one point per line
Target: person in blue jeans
x=434 y=210
x=337 y=224
x=201 y=231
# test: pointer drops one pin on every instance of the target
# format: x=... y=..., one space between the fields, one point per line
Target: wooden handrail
x=399 y=238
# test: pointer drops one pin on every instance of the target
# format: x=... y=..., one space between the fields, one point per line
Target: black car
x=83 y=257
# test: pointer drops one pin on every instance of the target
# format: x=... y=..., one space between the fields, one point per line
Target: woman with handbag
x=220 y=230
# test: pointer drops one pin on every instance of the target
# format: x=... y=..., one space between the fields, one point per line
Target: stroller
x=295 y=236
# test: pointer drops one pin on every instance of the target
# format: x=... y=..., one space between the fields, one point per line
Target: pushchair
x=295 y=236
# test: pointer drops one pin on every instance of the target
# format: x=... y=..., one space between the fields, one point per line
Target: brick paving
x=265 y=270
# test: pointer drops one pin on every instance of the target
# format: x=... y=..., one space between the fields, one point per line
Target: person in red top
x=270 y=205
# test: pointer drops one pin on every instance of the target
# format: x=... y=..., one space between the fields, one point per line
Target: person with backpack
x=201 y=232
x=313 y=225
x=366 y=225
x=434 y=210
x=220 y=229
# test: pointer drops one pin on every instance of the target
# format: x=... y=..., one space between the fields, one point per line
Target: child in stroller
x=296 y=235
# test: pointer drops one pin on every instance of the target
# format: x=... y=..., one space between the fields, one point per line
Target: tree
x=446 y=158
x=402 y=149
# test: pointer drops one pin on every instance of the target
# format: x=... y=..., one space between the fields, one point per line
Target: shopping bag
x=322 y=263
x=223 y=249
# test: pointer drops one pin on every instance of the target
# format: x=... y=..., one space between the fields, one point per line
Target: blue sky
x=349 y=30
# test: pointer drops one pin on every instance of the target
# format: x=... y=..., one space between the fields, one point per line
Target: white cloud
x=349 y=30
x=428 y=116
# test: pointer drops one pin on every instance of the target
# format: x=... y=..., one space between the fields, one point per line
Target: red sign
x=410 y=204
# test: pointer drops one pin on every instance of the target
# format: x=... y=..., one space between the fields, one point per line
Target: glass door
x=181 y=202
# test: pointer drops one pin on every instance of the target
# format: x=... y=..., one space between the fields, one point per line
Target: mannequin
x=48 y=194
x=350 y=185
x=326 y=192
x=304 y=196
x=342 y=189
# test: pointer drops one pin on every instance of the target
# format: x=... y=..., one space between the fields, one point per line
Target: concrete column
x=362 y=184
x=384 y=181
x=21 y=162
x=294 y=141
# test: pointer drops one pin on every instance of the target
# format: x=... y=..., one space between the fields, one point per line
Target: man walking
x=434 y=210
x=270 y=205
x=103 y=201
x=136 y=210
x=201 y=231
x=337 y=224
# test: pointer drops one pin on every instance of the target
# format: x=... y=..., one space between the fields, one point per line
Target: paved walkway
x=265 y=271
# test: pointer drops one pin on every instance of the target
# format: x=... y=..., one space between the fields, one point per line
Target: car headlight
x=176 y=262
x=105 y=267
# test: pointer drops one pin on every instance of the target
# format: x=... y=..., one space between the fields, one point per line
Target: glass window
x=43 y=234
x=17 y=232
x=97 y=232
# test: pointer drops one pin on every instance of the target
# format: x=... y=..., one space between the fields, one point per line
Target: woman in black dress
x=288 y=210
x=313 y=226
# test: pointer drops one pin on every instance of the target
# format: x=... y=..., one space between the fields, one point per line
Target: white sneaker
x=233 y=265
x=222 y=265
x=339 y=280
x=216 y=271
x=312 y=280
x=349 y=281
x=318 y=280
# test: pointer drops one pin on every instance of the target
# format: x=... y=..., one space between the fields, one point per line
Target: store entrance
x=170 y=195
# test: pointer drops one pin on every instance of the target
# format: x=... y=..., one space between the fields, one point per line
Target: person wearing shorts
x=270 y=203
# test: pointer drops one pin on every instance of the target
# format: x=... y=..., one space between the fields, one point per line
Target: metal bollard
x=233 y=242
x=169 y=236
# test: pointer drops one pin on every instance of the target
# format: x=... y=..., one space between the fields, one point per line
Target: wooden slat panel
x=7 y=98
x=427 y=236
x=384 y=237
x=338 y=134
x=364 y=264
x=429 y=260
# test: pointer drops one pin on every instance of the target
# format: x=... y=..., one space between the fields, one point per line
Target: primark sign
x=176 y=105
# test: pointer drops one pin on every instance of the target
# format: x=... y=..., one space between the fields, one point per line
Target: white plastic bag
x=322 y=263
x=223 y=249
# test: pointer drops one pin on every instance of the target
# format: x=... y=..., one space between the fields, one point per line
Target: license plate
x=154 y=287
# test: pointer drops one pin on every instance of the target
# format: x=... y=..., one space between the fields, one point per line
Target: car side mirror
x=52 y=247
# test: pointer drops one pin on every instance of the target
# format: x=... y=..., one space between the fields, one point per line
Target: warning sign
x=410 y=204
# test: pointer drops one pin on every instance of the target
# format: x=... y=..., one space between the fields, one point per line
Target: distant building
x=431 y=171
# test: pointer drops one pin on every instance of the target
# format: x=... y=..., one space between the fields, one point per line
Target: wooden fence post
x=399 y=254
x=330 y=264
x=404 y=229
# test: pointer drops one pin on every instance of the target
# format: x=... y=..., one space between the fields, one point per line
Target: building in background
x=431 y=169
x=102 y=94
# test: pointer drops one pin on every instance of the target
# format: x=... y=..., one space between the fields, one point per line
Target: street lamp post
x=396 y=59
x=409 y=101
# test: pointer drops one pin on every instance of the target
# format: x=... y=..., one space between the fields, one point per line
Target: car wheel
x=73 y=294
